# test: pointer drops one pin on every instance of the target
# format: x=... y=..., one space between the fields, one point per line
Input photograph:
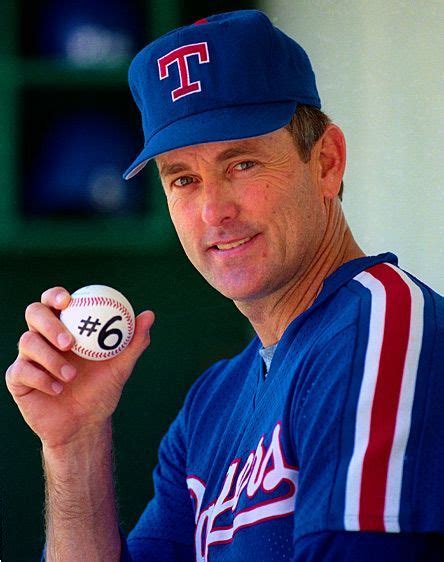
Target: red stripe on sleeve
x=386 y=399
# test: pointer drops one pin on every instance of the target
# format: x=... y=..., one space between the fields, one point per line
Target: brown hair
x=306 y=127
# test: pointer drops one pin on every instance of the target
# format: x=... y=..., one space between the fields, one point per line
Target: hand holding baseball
x=60 y=394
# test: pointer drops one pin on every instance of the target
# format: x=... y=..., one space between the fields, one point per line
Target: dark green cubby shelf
x=150 y=232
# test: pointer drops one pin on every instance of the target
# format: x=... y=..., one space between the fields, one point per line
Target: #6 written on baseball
x=101 y=320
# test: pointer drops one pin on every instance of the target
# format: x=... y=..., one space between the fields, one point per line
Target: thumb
x=126 y=360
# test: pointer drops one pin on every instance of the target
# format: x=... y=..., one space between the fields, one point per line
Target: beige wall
x=379 y=68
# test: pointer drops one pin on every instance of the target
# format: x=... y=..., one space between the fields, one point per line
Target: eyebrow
x=176 y=167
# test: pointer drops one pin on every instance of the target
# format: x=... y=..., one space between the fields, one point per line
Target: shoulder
x=399 y=326
x=385 y=311
x=368 y=415
x=396 y=298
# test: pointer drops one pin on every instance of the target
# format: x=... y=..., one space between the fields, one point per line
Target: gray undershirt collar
x=267 y=355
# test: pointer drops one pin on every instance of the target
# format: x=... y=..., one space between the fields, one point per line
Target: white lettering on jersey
x=264 y=469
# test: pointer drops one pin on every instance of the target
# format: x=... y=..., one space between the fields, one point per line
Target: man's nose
x=219 y=204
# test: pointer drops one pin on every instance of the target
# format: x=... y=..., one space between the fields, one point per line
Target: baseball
x=101 y=320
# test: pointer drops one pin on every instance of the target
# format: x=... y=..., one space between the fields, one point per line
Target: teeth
x=232 y=244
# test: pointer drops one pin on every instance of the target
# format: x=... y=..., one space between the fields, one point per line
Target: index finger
x=56 y=297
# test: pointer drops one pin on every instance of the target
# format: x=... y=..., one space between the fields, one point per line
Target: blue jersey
x=345 y=433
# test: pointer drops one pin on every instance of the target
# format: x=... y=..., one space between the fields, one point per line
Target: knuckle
x=19 y=365
x=31 y=310
x=14 y=371
x=10 y=372
x=25 y=340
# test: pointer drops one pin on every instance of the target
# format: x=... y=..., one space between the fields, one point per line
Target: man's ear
x=329 y=157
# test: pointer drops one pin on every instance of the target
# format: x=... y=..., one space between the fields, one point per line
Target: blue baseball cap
x=226 y=77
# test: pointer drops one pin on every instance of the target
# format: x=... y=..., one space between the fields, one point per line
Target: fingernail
x=60 y=298
x=57 y=387
x=64 y=340
x=68 y=372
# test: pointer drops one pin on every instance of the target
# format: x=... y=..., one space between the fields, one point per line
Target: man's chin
x=239 y=293
x=240 y=284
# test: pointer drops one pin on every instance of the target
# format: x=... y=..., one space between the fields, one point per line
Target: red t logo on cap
x=180 y=56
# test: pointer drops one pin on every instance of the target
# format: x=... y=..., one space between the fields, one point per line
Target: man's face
x=249 y=213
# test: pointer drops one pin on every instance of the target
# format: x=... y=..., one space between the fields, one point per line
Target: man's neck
x=271 y=315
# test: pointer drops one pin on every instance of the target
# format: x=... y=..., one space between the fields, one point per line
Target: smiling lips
x=231 y=245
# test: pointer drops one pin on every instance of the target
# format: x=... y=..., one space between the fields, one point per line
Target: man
x=323 y=439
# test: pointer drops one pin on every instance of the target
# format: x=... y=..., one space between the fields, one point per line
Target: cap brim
x=230 y=123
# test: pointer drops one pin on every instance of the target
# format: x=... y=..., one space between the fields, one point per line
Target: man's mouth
x=231 y=245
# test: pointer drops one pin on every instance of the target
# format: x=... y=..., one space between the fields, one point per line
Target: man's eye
x=242 y=166
x=183 y=181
